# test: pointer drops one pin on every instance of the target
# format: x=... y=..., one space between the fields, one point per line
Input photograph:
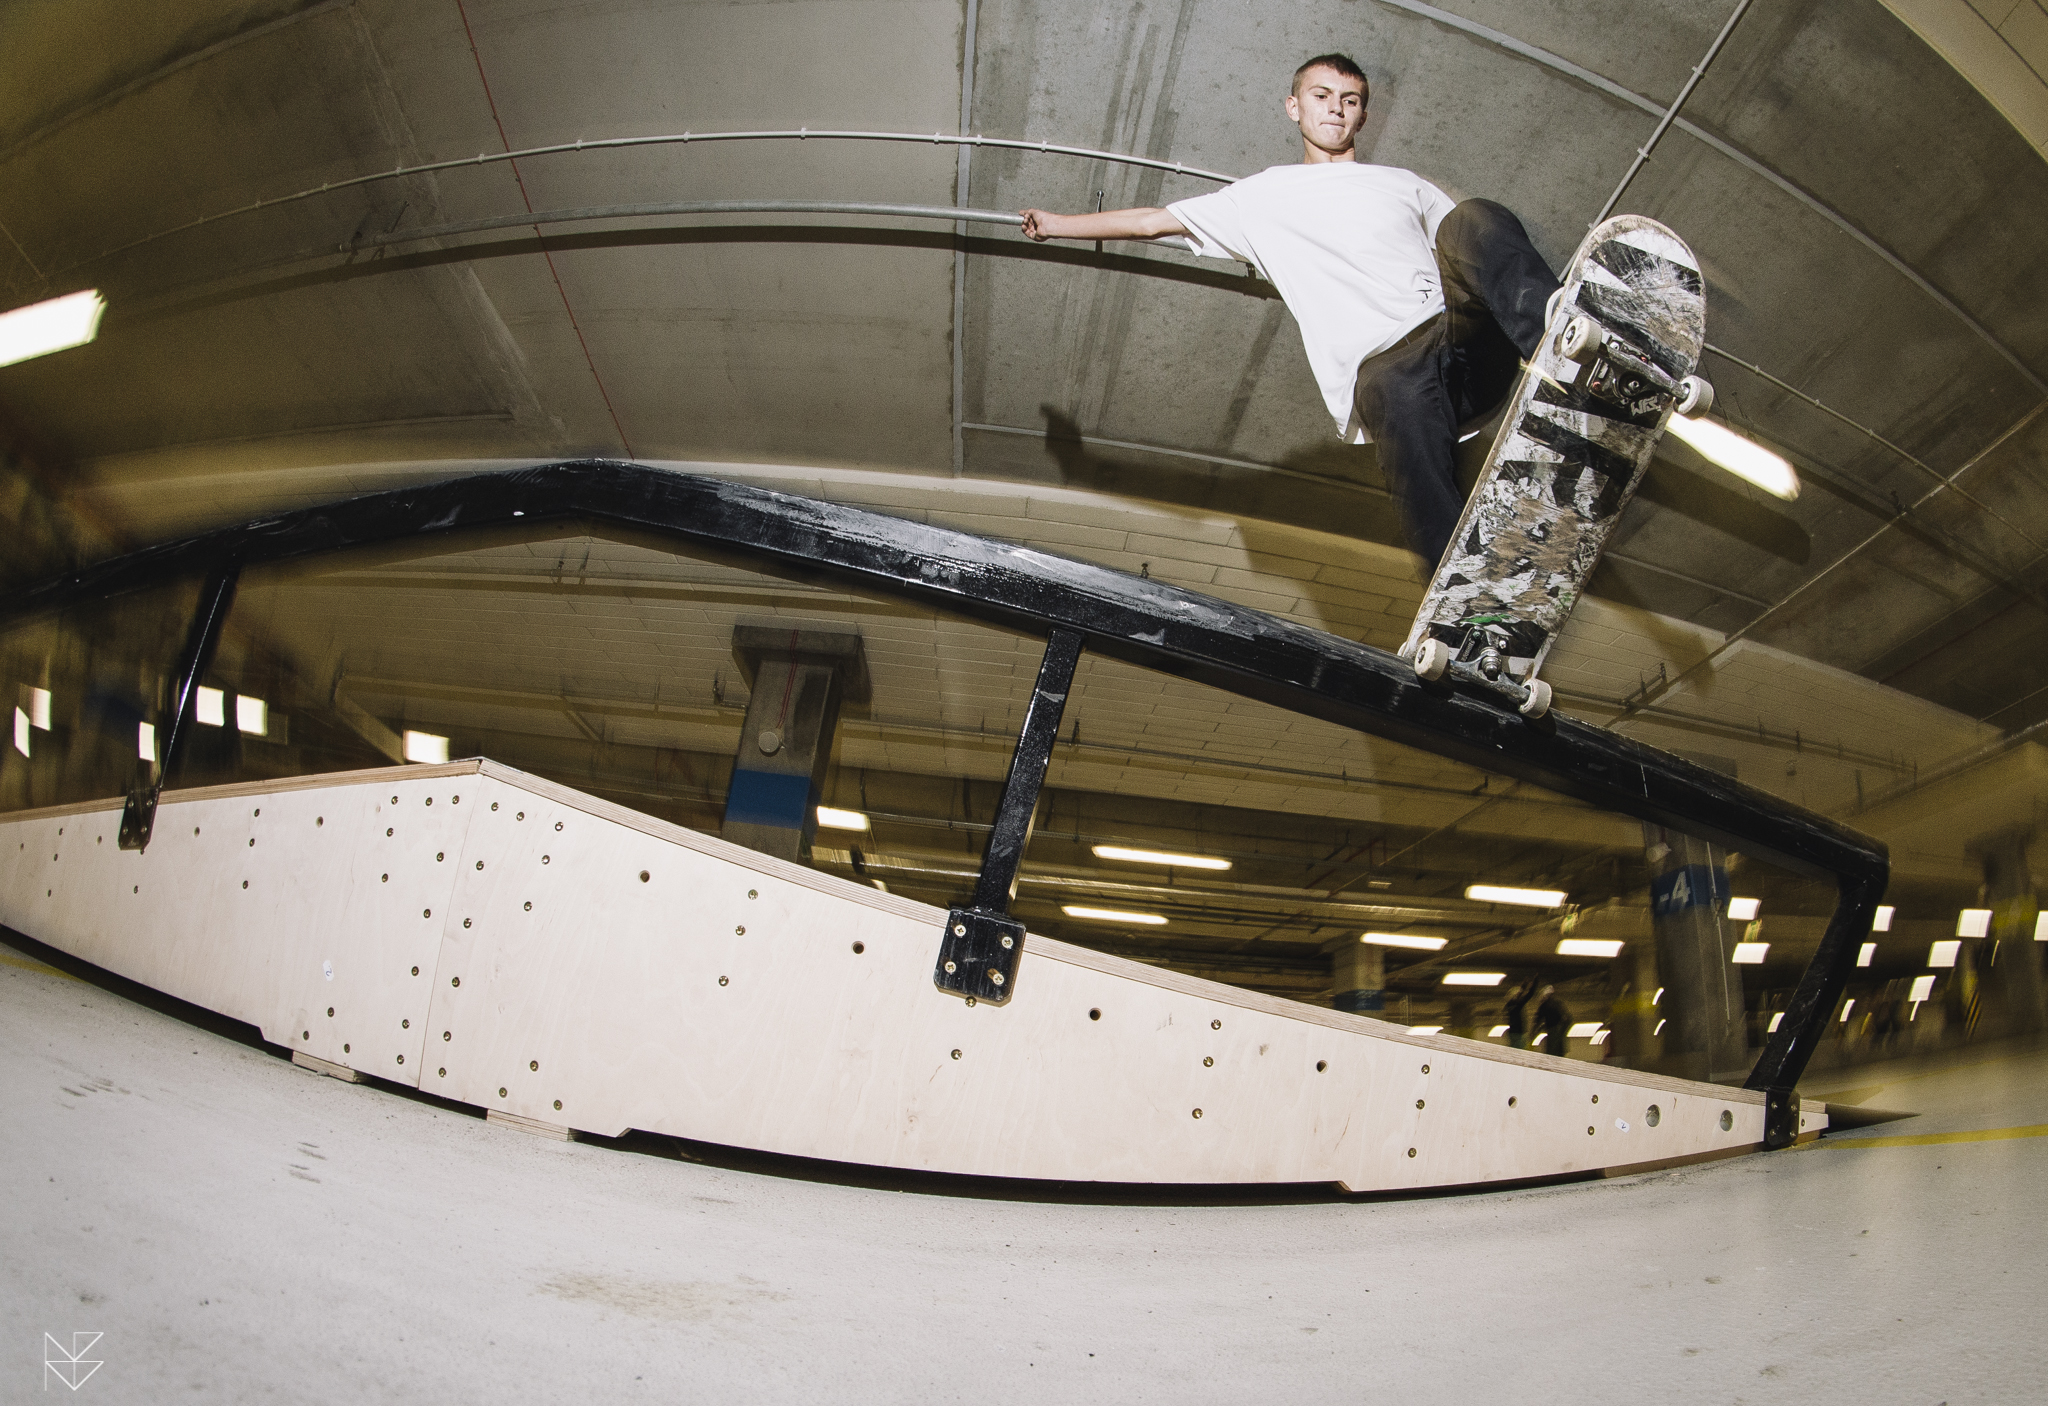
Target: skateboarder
x=1416 y=311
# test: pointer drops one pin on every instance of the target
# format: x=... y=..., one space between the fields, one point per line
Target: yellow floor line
x=1936 y=1139
x=30 y=965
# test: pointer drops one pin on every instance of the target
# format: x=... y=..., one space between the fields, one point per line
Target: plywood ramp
x=499 y=940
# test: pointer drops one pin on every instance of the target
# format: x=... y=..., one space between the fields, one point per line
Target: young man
x=1416 y=312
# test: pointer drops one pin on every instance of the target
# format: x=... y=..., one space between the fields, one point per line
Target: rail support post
x=216 y=597
x=982 y=943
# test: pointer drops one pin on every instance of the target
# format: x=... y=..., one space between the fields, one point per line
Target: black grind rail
x=1139 y=620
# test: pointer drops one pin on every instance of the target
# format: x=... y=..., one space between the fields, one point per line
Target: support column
x=1360 y=972
x=2009 y=962
x=1704 y=1036
x=799 y=675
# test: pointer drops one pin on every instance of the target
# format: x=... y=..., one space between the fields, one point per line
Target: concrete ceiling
x=1869 y=221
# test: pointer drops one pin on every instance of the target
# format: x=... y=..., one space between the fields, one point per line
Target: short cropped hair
x=1345 y=65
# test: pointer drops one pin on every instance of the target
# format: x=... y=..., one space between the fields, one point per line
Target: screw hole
x=1654 y=1116
x=1596 y=1098
x=1511 y=1100
x=859 y=947
x=1411 y=1152
x=1321 y=1065
x=558 y=1105
x=1727 y=1120
x=643 y=876
x=1425 y=1069
x=1095 y=1012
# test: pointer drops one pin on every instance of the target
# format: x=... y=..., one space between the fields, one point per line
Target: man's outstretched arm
x=1144 y=223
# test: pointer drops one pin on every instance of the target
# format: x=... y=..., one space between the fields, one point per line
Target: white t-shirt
x=1351 y=247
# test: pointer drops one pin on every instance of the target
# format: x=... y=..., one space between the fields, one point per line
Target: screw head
x=405 y=1025
x=465 y=922
x=426 y=912
x=344 y=1049
x=739 y=932
x=444 y=1073
x=1208 y=1060
x=447 y=1034
x=455 y=981
x=1589 y=1130
x=1411 y=1152
x=479 y=864
x=558 y=824
x=753 y=893
x=995 y=976
x=440 y=855
x=534 y=1065
x=1215 y=1025
x=951 y=968
x=1321 y=1065
x=529 y=905
x=959 y=929
x=1009 y=941
x=330 y=1012
x=1425 y=1069
x=401 y=1059
x=501 y=1093
x=859 y=947
x=956 y=1054
x=1418 y=1103
x=723 y=980
x=558 y=1105
x=1198 y=1112
x=1596 y=1098
x=643 y=876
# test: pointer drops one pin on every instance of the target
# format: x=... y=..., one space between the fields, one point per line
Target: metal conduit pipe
x=952 y=214
x=1044 y=148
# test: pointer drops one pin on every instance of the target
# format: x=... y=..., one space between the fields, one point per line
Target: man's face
x=1329 y=108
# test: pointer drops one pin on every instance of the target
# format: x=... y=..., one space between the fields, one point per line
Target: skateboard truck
x=1619 y=374
x=1482 y=660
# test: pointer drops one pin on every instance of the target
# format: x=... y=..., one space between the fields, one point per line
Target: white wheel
x=1432 y=659
x=1695 y=397
x=1580 y=340
x=1538 y=701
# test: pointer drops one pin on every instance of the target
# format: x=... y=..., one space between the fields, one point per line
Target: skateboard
x=1616 y=361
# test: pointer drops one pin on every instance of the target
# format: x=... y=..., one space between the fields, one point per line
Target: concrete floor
x=242 y=1231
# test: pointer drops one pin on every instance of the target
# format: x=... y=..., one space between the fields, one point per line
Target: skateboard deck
x=1578 y=432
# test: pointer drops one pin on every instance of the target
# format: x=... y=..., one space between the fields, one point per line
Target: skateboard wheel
x=1432 y=659
x=1695 y=397
x=1580 y=340
x=1538 y=701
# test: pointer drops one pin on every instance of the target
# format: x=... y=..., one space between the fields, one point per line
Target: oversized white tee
x=1350 y=247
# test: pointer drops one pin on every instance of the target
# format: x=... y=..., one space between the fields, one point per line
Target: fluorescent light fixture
x=1588 y=947
x=212 y=707
x=1943 y=954
x=1112 y=915
x=145 y=741
x=1750 y=954
x=1847 y=1006
x=1744 y=458
x=1425 y=1030
x=1973 y=922
x=1777 y=1019
x=833 y=818
x=1496 y=1032
x=428 y=747
x=21 y=732
x=1474 y=978
x=2041 y=928
x=1658 y=999
x=1662 y=1023
x=1584 y=1030
x=1883 y=921
x=1865 y=953
x=252 y=714
x=1153 y=856
x=39 y=708
x=1743 y=910
x=1404 y=939
x=51 y=326
x=1923 y=987
x=1528 y=898
x=1600 y=1036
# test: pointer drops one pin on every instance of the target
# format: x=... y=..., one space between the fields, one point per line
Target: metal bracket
x=1781 y=1118
x=979 y=951
x=216 y=597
